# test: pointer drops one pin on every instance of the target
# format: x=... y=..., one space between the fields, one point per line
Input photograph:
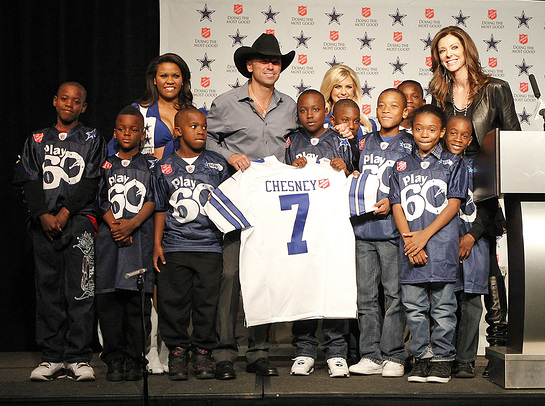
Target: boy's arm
x=122 y=228
x=419 y=239
x=35 y=198
x=158 y=239
x=84 y=194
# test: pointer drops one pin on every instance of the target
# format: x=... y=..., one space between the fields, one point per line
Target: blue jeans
x=377 y=262
x=438 y=301
x=470 y=309
x=306 y=343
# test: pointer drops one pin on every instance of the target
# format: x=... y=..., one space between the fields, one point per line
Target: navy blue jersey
x=126 y=185
x=328 y=145
x=423 y=185
x=473 y=272
x=182 y=190
x=377 y=157
x=60 y=160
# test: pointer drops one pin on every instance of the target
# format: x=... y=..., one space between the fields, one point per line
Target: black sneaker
x=420 y=371
x=115 y=370
x=133 y=370
x=440 y=372
x=177 y=364
x=464 y=370
x=202 y=364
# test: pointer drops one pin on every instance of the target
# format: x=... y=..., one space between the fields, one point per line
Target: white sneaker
x=81 y=371
x=366 y=367
x=391 y=369
x=338 y=368
x=302 y=366
x=154 y=363
x=47 y=371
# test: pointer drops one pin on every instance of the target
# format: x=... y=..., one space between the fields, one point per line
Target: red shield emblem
x=334 y=35
x=302 y=10
x=366 y=12
x=38 y=137
x=429 y=13
x=397 y=83
x=366 y=60
x=398 y=36
x=523 y=39
x=205 y=32
x=323 y=183
x=288 y=142
x=166 y=169
x=362 y=144
x=237 y=8
x=492 y=14
x=302 y=59
x=401 y=166
x=524 y=87
x=106 y=165
x=269 y=31
x=493 y=62
x=428 y=61
x=205 y=82
x=366 y=109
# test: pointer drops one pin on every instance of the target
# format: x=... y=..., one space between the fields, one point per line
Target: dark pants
x=120 y=317
x=187 y=290
x=65 y=291
x=306 y=342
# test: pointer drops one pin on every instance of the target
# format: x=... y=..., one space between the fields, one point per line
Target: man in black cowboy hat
x=245 y=124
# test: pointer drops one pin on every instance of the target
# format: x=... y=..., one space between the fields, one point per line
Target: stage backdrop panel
x=384 y=42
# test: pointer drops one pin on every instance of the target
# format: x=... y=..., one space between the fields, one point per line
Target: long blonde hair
x=441 y=81
x=335 y=75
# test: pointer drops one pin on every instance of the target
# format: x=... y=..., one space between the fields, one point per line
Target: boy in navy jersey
x=187 y=249
x=415 y=98
x=474 y=252
x=381 y=345
x=60 y=172
x=315 y=142
x=125 y=244
x=427 y=188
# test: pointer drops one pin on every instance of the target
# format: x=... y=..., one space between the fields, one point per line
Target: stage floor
x=247 y=389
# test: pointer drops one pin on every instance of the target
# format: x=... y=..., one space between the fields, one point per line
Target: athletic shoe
x=115 y=370
x=337 y=368
x=203 y=364
x=155 y=366
x=177 y=364
x=47 y=371
x=420 y=371
x=392 y=369
x=440 y=372
x=132 y=369
x=464 y=370
x=81 y=371
x=366 y=367
x=302 y=366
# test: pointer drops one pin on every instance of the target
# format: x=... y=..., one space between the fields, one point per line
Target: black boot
x=496 y=314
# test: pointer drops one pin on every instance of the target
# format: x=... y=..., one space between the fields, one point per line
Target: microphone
x=535 y=88
x=135 y=273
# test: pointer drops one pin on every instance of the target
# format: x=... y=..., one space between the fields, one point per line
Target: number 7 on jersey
x=297 y=245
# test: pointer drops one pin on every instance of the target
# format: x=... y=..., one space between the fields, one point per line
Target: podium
x=511 y=164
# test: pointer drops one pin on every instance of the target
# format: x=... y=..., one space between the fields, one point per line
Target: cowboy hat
x=265 y=45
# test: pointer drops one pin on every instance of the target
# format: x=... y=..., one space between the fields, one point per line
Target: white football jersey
x=297 y=258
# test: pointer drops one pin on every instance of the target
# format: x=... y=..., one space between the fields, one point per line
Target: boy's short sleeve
x=30 y=166
x=97 y=156
x=160 y=189
x=458 y=182
x=395 y=190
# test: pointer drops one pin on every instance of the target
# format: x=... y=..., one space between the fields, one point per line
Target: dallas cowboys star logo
x=301 y=88
x=334 y=62
x=237 y=38
x=523 y=20
x=205 y=62
x=398 y=66
x=205 y=13
x=492 y=44
x=397 y=18
x=366 y=89
x=236 y=85
x=270 y=15
x=427 y=90
x=204 y=108
x=427 y=42
x=524 y=117
x=301 y=40
x=366 y=41
x=523 y=68
x=461 y=19
x=334 y=16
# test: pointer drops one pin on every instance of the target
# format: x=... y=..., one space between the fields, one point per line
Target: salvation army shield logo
x=397 y=83
x=62 y=136
x=302 y=59
x=366 y=60
x=166 y=169
x=334 y=35
x=269 y=31
x=106 y=165
x=125 y=162
x=429 y=13
x=302 y=10
x=237 y=8
x=428 y=61
x=523 y=39
x=492 y=14
x=401 y=166
x=425 y=165
x=366 y=12
x=38 y=137
x=398 y=36
x=314 y=141
x=288 y=142
x=383 y=145
x=190 y=168
x=205 y=82
x=362 y=144
x=524 y=87
x=366 y=109
x=205 y=32
x=493 y=62
x=323 y=183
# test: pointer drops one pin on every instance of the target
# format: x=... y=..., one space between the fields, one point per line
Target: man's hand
x=239 y=161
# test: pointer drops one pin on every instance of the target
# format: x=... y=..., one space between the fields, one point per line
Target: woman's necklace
x=254 y=98
x=467 y=103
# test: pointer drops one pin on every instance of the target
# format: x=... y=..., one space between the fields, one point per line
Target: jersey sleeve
x=395 y=191
x=363 y=194
x=160 y=189
x=102 y=199
x=30 y=167
x=97 y=156
x=458 y=183
x=289 y=154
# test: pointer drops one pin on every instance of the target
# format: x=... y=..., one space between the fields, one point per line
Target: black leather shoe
x=486 y=372
x=225 y=371
x=262 y=367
